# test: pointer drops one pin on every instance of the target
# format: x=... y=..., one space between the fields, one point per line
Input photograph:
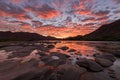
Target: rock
x=45 y=74
x=95 y=76
x=116 y=54
x=64 y=48
x=46 y=58
x=68 y=72
x=42 y=54
x=107 y=56
x=43 y=48
x=55 y=63
x=55 y=57
x=19 y=51
x=41 y=63
x=72 y=50
x=104 y=62
x=28 y=76
x=60 y=55
x=50 y=46
x=90 y=65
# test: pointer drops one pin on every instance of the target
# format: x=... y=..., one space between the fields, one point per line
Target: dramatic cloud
x=59 y=18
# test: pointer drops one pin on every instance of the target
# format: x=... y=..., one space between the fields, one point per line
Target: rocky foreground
x=56 y=65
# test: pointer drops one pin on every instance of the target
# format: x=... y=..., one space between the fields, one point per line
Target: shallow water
x=84 y=48
x=13 y=54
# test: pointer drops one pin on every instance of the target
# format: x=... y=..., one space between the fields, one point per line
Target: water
x=19 y=57
x=21 y=50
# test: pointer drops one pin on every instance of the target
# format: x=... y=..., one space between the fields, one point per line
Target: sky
x=57 y=18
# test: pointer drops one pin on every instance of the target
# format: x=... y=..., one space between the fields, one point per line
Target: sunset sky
x=57 y=18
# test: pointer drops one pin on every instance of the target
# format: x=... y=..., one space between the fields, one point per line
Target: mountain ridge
x=22 y=36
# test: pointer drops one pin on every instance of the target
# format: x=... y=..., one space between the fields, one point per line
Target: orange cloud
x=43 y=12
x=63 y=32
x=16 y=1
x=20 y=16
x=48 y=14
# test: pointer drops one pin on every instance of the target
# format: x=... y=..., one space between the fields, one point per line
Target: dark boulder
x=60 y=55
x=116 y=54
x=64 y=48
x=104 y=62
x=68 y=72
x=103 y=75
x=107 y=56
x=72 y=50
x=90 y=65
x=55 y=63
x=50 y=46
x=42 y=54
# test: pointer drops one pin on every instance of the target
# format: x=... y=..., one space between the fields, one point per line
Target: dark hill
x=22 y=36
x=106 y=32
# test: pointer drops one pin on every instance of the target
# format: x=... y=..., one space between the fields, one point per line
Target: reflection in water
x=78 y=46
x=17 y=58
x=84 y=48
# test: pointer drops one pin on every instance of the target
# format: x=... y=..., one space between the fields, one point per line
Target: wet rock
x=95 y=76
x=72 y=50
x=104 y=62
x=42 y=47
x=107 y=56
x=42 y=54
x=60 y=55
x=68 y=72
x=64 y=48
x=41 y=63
x=21 y=52
x=50 y=46
x=45 y=74
x=116 y=54
x=55 y=63
x=36 y=75
x=12 y=48
x=55 y=57
x=7 y=65
x=46 y=58
x=11 y=69
x=28 y=76
x=90 y=65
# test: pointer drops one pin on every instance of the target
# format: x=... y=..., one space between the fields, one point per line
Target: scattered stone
x=55 y=57
x=95 y=76
x=50 y=46
x=78 y=53
x=68 y=72
x=90 y=65
x=55 y=63
x=46 y=58
x=104 y=62
x=64 y=48
x=60 y=55
x=107 y=56
x=116 y=54
x=41 y=63
x=42 y=54
x=28 y=76
x=72 y=50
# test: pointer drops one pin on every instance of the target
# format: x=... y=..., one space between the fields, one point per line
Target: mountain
x=79 y=37
x=110 y=32
x=22 y=36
